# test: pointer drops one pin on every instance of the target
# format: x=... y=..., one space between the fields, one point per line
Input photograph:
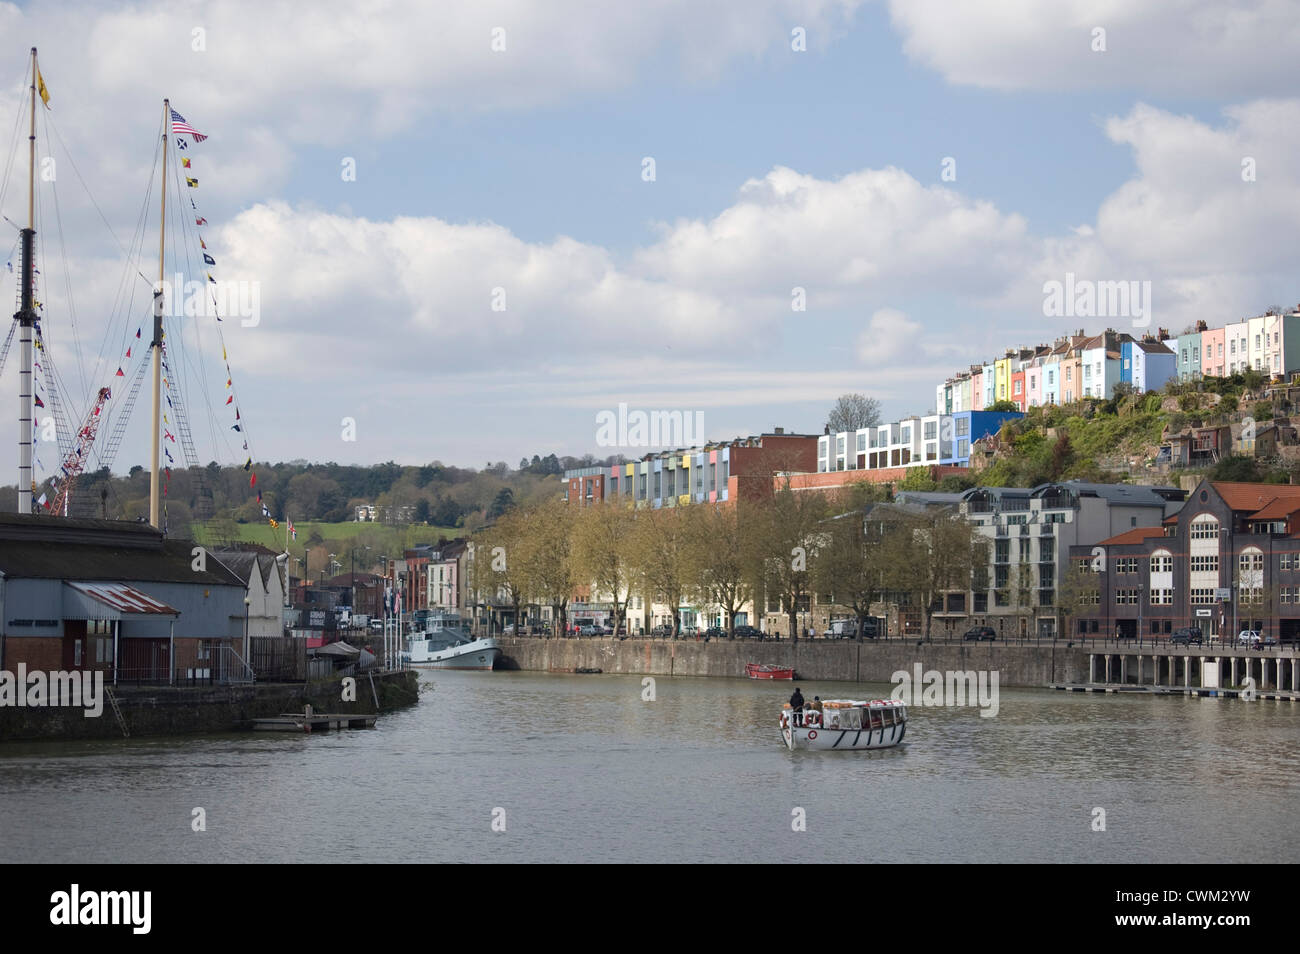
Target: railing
x=210 y=663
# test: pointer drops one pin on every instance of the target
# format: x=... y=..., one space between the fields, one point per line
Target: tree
x=785 y=530
x=939 y=554
x=716 y=558
x=854 y=562
x=1003 y=405
x=505 y=499
x=500 y=568
x=546 y=553
x=602 y=536
x=853 y=411
x=657 y=558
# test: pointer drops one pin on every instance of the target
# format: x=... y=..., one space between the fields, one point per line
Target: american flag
x=179 y=125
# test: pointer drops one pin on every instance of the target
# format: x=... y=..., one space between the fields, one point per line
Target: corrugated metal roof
x=124 y=599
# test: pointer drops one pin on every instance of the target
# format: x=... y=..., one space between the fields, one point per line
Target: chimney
x=1202 y=326
x=778 y=430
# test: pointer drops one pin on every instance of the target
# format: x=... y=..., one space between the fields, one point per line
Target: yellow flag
x=40 y=88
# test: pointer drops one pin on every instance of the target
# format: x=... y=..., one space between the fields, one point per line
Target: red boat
x=755 y=671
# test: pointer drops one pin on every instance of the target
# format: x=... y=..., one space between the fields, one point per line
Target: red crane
x=76 y=460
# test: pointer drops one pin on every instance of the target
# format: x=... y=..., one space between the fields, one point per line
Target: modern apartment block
x=1228 y=560
x=1032 y=535
x=718 y=472
x=912 y=442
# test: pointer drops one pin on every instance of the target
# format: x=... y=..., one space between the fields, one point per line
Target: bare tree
x=853 y=411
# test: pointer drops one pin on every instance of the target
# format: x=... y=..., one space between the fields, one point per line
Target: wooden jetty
x=313 y=722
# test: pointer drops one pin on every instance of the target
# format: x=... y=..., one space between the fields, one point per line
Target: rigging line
x=183 y=349
x=67 y=273
x=90 y=195
x=124 y=303
x=24 y=105
x=66 y=393
x=124 y=298
x=126 y=288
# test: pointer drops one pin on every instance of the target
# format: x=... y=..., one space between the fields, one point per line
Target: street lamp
x=247 y=603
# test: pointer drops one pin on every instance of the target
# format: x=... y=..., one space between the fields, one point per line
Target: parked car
x=748 y=632
x=376 y=625
x=1250 y=638
x=980 y=633
x=715 y=632
x=1187 y=636
x=661 y=630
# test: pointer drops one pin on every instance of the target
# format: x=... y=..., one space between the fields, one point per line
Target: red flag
x=137 y=332
x=128 y=352
x=230 y=399
x=252 y=481
x=119 y=372
x=201 y=221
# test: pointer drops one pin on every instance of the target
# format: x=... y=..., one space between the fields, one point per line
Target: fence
x=278 y=658
x=209 y=662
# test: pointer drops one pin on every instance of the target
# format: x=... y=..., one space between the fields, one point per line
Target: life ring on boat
x=784 y=720
x=812 y=734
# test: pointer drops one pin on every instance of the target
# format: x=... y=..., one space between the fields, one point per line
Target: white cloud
x=1214 y=246
x=1203 y=47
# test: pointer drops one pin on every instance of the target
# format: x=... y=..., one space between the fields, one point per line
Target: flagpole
x=155 y=481
x=27 y=319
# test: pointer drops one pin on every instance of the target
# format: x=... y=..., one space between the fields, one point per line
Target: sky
x=474 y=227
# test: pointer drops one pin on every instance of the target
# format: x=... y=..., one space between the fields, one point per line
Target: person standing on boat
x=796 y=706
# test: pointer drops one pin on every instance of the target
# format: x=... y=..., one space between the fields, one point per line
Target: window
x=931 y=430
x=1284 y=561
x=1162 y=597
x=1256 y=342
x=1202 y=596
x=1126 y=565
x=1068 y=369
x=1232 y=346
x=1051 y=375
x=1205 y=564
x=1018 y=383
x=1220 y=349
x=1251 y=560
x=1126 y=597
x=962 y=426
x=1205 y=527
x=1162 y=563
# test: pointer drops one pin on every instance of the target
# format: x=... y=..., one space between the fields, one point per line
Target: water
x=585 y=770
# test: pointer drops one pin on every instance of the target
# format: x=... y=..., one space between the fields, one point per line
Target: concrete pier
x=1200 y=670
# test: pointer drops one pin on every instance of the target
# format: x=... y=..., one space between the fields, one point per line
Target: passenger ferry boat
x=845 y=724
x=444 y=642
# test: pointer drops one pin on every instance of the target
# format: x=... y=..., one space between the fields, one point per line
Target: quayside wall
x=822 y=659
x=166 y=710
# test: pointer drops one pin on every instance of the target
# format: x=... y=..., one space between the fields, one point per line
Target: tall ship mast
x=26 y=315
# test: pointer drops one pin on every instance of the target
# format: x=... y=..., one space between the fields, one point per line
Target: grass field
x=379 y=537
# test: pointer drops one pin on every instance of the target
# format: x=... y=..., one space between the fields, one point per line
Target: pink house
x=977 y=387
x=1213 y=362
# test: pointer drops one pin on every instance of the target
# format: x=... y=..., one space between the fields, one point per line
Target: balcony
x=1024 y=529
x=1046 y=530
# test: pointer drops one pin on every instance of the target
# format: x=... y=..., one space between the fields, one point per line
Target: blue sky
x=521 y=169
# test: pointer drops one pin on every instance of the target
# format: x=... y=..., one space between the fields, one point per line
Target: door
x=74 y=644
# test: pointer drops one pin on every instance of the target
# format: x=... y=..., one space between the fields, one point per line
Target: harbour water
x=584 y=768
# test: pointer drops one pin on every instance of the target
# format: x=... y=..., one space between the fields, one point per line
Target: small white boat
x=845 y=724
x=444 y=643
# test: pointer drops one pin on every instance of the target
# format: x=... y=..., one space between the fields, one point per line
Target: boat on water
x=445 y=642
x=845 y=725
x=756 y=671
